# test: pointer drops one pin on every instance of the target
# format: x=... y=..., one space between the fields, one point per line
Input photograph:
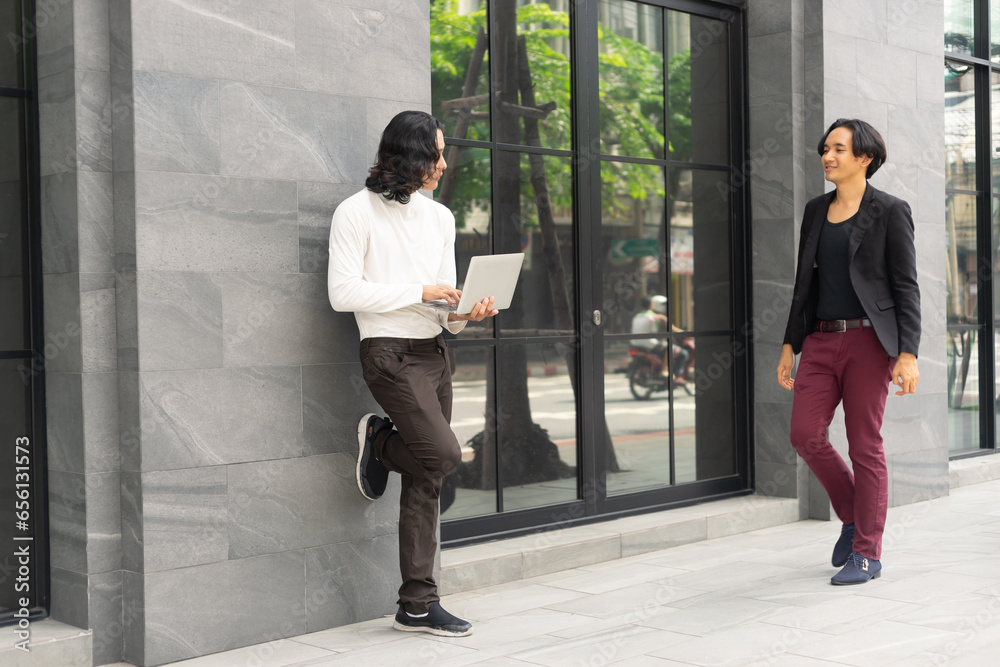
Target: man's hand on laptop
x=445 y=293
x=479 y=312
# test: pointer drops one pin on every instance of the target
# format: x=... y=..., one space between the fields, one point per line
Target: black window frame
x=987 y=326
x=33 y=359
x=587 y=193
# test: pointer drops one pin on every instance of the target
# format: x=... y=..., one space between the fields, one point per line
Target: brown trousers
x=411 y=380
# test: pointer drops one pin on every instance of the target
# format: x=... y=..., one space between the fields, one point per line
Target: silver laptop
x=488 y=275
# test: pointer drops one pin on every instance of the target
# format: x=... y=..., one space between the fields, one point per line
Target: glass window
x=534 y=204
x=460 y=70
x=631 y=79
x=963 y=390
x=13 y=48
x=471 y=490
x=13 y=304
x=960 y=126
x=633 y=201
x=537 y=425
x=958 y=23
x=699 y=251
x=698 y=50
x=962 y=257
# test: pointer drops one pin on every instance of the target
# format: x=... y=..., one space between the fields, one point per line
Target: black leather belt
x=840 y=326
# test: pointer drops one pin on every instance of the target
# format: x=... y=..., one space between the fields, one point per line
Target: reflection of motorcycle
x=645 y=371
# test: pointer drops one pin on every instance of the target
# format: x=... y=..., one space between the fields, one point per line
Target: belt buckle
x=838 y=326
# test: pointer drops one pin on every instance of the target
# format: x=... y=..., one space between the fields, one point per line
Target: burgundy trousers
x=411 y=380
x=852 y=367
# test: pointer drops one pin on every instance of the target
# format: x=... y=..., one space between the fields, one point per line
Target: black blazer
x=883 y=267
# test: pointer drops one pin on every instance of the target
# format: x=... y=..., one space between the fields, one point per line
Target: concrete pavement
x=757 y=598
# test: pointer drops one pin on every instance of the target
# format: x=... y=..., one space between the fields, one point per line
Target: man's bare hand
x=441 y=293
x=785 y=365
x=479 y=312
x=905 y=374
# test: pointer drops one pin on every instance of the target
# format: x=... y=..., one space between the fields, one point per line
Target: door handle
x=597 y=318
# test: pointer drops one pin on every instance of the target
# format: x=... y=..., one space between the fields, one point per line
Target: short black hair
x=407 y=154
x=866 y=141
x=645 y=302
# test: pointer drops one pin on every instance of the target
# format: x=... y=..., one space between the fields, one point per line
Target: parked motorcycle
x=645 y=371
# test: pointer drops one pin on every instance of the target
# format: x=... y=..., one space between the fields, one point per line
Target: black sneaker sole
x=440 y=632
x=362 y=436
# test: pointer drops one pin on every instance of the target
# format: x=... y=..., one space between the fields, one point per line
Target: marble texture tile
x=288 y=134
x=663 y=537
x=188 y=611
x=772 y=422
x=95 y=222
x=861 y=18
x=773 y=16
x=773 y=184
x=919 y=475
x=91 y=35
x=211 y=417
x=103 y=515
x=351 y=581
x=330 y=34
x=126 y=321
x=105 y=616
x=334 y=397
x=552 y=559
x=770 y=64
x=771 y=126
x=184 y=518
x=316 y=204
x=132 y=516
x=67 y=520
x=100 y=421
x=176 y=123
x=55 y=43
x=60 y=230
x=61 y=306
x=133 y=617
x=68 y=598
x=917 y=26
x=180 y=321
x=930 y=83
x=279 y=505
x=129 y=425
x=208 y=223
x=57 y=114
x=122 y=115
x=238 y=41
x=93 y=120
x=284 y=320
x=98 y=342
x=474 y=575
x=64 y=424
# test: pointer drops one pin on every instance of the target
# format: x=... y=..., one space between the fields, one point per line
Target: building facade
x=194 y=398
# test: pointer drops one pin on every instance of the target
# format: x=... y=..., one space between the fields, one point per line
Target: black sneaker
x=844 y=546
x=436 y=622
x=371 y=474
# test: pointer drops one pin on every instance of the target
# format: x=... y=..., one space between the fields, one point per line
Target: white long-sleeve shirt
x=382 y=253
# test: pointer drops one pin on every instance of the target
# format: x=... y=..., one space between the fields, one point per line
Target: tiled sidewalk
x=759 y=598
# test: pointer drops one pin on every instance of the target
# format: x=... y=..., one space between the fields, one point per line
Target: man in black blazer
x=855 y=319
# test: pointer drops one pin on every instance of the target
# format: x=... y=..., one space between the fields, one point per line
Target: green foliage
x=631 y=103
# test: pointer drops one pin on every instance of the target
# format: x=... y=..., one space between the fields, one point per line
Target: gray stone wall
x=202 y=415
x=811 y=62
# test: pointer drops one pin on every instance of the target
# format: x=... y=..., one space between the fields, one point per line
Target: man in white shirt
x=391 y=251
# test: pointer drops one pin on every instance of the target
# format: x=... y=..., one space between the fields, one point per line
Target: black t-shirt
x=837 y=299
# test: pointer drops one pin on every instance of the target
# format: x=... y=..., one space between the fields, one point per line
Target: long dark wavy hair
x=407 y=155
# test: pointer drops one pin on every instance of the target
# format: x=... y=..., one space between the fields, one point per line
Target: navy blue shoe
x=372 y=476
x=858 y=570
x=845 y=544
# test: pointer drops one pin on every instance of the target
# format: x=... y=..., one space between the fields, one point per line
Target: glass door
x=667 y=221
x=597 y=138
